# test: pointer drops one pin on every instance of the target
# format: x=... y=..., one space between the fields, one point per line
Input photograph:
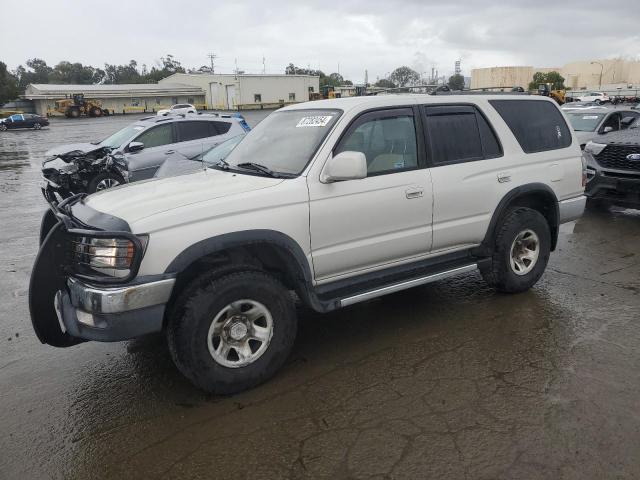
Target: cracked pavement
x=448 y=380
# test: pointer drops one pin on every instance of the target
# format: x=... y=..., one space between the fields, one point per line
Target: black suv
x=613 y=168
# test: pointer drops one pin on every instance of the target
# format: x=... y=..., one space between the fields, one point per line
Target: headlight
x=114 y=257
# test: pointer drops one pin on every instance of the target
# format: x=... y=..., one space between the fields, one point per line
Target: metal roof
x=50 y=91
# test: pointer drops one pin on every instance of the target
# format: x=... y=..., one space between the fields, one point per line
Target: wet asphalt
x=449 y=380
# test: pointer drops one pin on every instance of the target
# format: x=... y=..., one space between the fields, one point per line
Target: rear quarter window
x=537 y=125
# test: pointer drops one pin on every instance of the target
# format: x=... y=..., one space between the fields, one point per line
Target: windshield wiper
x=258 y=167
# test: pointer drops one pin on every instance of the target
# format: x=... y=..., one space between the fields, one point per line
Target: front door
x=356 y=225
x=159 y=143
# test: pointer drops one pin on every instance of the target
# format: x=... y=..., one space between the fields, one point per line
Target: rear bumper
x=571 y=209
x=112 y=314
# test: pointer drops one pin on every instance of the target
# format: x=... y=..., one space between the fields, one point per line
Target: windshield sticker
x=590 y=117
x=315 y=121
x=138 y=128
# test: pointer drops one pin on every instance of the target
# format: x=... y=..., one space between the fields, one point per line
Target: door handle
x=169 y=152
x=414 y=193
x=504 y=177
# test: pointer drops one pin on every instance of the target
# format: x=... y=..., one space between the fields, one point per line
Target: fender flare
x=226 y=241
x=522 y=190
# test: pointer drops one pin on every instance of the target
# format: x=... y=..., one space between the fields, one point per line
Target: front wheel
x=521 y=251
x=104 y=180
x=232 y=332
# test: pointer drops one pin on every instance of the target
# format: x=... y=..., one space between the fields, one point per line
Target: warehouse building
x=243 y=91
x=127 y=98
x=611 y=75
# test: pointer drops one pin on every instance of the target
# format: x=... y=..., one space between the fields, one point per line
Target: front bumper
x=571 y=209
x=110 y=314
x=622 y=188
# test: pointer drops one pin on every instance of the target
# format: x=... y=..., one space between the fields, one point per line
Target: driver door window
x=388 y=141
x=613 y=121
x=156 y=136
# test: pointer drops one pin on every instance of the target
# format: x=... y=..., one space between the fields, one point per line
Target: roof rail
x=445 y=90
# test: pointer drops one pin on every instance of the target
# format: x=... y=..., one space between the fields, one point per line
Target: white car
x=178 y=109
x=340 y=201
x=597 y=97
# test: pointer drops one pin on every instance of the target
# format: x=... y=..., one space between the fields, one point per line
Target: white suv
x=596 y=97
x=180 y=108
x=339 y=201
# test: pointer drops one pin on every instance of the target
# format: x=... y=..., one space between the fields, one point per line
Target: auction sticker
x=315 y=121
x=590 y=117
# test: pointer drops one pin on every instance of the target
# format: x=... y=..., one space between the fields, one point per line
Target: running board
x=396 y=287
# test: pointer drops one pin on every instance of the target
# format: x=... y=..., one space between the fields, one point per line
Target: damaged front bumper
x=112 y=314
x=66 y=309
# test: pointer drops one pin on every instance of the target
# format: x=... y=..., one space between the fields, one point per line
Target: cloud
x=376 y=35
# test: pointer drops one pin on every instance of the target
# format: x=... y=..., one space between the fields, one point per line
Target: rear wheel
x=37 y=126
x=96 y=112
x=73 y=113
x=3 y=127
x=232 y=332
x=104 y=180
x=521 y=251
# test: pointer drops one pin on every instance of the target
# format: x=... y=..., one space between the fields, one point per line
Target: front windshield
x=221 y=151
x=285 y=141
x=585 y=122
x=121 y=136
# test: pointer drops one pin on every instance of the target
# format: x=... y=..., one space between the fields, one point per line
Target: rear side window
x=460 y=133
x=537 y=125
x=221 y=127
x=194 y=130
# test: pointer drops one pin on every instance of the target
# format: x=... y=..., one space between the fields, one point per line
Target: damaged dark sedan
x=133 y=153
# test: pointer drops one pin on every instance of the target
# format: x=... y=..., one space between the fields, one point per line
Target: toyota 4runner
x=339 y=201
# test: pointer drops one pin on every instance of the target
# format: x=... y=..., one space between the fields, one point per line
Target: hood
x=138 y=200
x=630 y=136
x=584 y=137
x=62 y=149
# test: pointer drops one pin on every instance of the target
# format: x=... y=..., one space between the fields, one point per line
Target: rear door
x=196 y=136
x=466 y=160
x=158 y=144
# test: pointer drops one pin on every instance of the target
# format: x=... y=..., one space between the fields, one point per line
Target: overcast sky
x=377 y=35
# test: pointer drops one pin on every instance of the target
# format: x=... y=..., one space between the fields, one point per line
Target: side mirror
x=135 y=146
x=607 y=129
x=344 y=166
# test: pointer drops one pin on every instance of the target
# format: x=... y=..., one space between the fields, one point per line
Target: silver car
x=589 y=124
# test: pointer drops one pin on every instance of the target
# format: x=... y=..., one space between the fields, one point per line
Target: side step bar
x=396 y=287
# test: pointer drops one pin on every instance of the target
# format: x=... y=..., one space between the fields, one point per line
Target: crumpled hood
x=138 y=200
x=62 y=149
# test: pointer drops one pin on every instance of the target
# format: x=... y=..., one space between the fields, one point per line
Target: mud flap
x=47 y=278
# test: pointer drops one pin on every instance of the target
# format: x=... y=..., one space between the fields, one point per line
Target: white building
x=142 y=97
x=243 y=91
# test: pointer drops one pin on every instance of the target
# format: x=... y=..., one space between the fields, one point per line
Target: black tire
x=501 y=275
x=3 y=127
x=194 y=312
x=37 y=126
x=74 y=113
x=100 y=181
x=96 y=112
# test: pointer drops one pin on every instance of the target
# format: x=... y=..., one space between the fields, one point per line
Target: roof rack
x=445 y=90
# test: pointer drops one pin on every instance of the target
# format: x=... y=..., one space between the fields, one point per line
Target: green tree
x=404 y=76
x=38 y=72
x=456 y=82
x=75 y=73
x=385 y=83
x=8 y=85
x=554 y=78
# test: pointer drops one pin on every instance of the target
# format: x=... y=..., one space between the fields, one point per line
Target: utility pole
x=263 y=67
x=212 y=56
